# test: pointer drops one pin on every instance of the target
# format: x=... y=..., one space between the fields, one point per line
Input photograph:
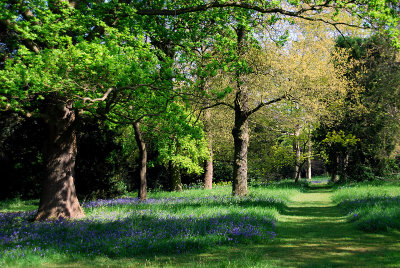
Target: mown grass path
x=313 y=232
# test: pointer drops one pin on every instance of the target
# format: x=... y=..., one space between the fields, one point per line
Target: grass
x=17 y=204
x=371 y=206
x=200 y=228
x=166 y=224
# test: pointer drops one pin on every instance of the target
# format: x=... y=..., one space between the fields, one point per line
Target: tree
x=180 y=144
x=369 y=116
x=59 y=68
x=66 y=56
x=240 y=69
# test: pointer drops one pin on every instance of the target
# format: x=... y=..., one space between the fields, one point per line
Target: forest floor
x=312 y=232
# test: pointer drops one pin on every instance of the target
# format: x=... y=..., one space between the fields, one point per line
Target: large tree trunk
x=58 y=198
x=208 y=169
x=142 y=192
x=240 y=134
x=240 y=131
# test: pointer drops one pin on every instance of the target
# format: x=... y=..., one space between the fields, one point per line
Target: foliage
x=74 y=72
x=120 y=61
x=312 y=86
x=222 y=171
x=179 y=140
x=369 y=115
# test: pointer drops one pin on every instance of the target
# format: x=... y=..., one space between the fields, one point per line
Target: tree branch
x=238 y=4
x=103 y=98
x=243 y=5
x=262 y=104
x=28 y=42
x=217 y=104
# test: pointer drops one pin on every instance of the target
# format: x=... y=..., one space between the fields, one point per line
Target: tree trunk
x=309 y=160
x=298 y=155
x=240 y=131
x=208 y=169
x=241 y=142
x=240 y=134
x=343 y=165
x=176 y=183
x=335 y=175
x=142 y=192
x=58 y=198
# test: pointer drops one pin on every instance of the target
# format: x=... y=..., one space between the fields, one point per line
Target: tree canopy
x=123 y=61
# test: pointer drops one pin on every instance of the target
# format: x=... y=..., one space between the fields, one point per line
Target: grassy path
x=313 y=233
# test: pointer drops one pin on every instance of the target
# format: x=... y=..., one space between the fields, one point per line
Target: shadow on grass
x=142 y=233
x=244 y=204
x=312 y=232
x=319 y=187
x=330 y=213
x=316 y=234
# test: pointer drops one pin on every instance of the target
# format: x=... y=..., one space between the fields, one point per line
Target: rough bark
x=240 y=131
x=142 y=192
x=240 y=134
x=176 y=183
x=208 y=169
x=58 y=198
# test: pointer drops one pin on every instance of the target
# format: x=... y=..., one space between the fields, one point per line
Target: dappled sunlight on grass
x=14 y=205
x=312 y=231
x=126 y=228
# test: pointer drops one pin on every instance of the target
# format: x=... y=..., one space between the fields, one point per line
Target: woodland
x=237 y=133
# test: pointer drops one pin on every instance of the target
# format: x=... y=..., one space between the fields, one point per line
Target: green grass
x=312 y=231
x=13 y=205
x=169 y=224
x=371 y=206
